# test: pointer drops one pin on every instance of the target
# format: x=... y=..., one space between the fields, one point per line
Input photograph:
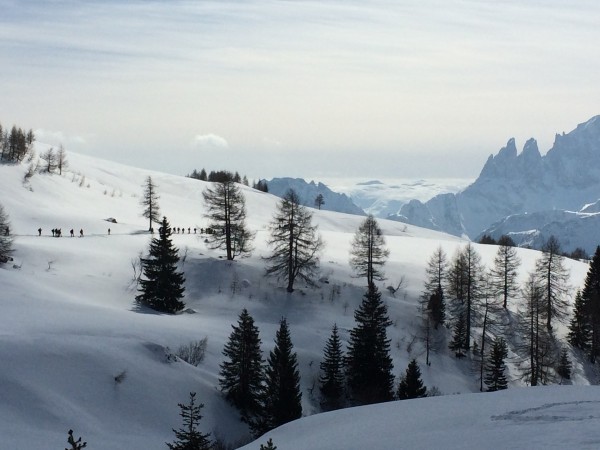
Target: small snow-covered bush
x=193 y=353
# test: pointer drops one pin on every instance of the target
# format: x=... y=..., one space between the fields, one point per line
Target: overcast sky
x=326 y=88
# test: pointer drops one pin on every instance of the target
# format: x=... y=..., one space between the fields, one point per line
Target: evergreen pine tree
x=332 y=372
x=564 y=365
x=457 y=344
x=319 y=201
x=241 y=375
x=495 y=378
x=437 y=308
x=5 y=237
x=579 y=328
x=189 y=437
x=411 y=385
x=281 y=398
x=591 y=300
x=269 y=446
x=162 y=288
x=368 y=362
x=75 y=444
x=433 y=293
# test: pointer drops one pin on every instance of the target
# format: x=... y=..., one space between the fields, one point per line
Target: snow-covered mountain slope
x=308 y=192
x=541 y=418
x=574 y=229
x=69 y=324
x=566 y=178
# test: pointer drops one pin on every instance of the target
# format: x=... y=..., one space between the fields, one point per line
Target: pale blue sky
x=300 y=88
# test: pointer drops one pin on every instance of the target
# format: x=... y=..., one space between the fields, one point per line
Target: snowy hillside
x=566 y=178
x=574 y=229
x=541 y=418
x=308 y=192
x=69 y=326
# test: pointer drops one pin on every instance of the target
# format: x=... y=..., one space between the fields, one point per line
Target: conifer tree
x=436 y=308
x=473 y=286
x=368 y=253
x=150 y=202
x=51 y=161
x=269 y=446
x=411 y=385
x=332 y=372
x=495 y=378
x=281 y=398
x=536 y=341
x=564 y=365
x=226 y=210
x=241 y=375
x=319 y=201
x=553 y=278
x=189 y=437
x=368 y=362
x=465 y=285
x=295 y=242
x=457 y=344
x=504 y=272
x=162 y=288
x=75 y=444
x=5 y=237
x=591 y=301
x=579 y=329
x=433 y=293
x=61 y=159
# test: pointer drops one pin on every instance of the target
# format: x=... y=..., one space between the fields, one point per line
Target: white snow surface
x=540 y=418
x=69 y=326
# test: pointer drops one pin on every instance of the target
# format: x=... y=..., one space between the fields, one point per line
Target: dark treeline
x=15 y=143
x=220 y=176
x=577 y=254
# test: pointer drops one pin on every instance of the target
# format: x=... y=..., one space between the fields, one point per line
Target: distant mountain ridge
x=308 y=192
x=511 y=184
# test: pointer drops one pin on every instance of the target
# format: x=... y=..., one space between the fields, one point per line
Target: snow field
x=69 y=324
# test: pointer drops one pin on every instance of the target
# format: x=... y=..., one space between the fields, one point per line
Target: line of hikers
x=57 y=232
x=189 y=230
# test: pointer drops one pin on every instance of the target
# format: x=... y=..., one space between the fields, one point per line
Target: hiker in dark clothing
x=109 y=231
x=72 y=233
x=39 y=231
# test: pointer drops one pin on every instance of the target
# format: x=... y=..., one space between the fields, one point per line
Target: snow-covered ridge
x=511 y=183
x=308 y=192
x=69 y=325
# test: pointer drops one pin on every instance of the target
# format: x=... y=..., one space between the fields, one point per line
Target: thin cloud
x=58 y=137
x=209 y=141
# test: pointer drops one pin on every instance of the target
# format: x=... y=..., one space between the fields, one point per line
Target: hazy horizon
x=305 y=89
